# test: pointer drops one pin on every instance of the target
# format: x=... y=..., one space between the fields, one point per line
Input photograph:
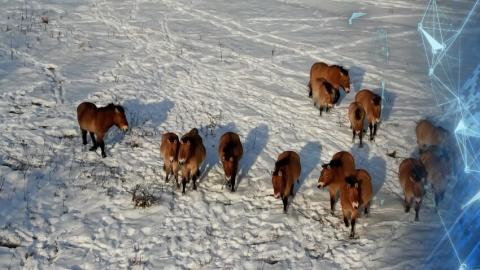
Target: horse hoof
x=104 y=155
x=93 y=148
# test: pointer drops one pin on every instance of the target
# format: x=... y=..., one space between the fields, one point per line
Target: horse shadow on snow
x=253 y=146
x=376 y=165
x=140 y=114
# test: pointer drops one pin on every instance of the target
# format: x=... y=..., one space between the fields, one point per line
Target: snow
x=219 y=66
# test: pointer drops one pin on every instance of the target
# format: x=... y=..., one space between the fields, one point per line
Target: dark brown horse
x=372 y=104
x=97 y=121
x=286 y=173
x=356 y=192
x=191 y=155
x=324 y=95
x=230 y=151
x=412 y=174
x=333 y=175
x=356 y=115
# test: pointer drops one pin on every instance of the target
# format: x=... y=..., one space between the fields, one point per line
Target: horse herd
x=187 y=153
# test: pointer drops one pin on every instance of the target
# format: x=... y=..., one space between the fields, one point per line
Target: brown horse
x=287 y=171
x=97 y=121
x=230 y=151
x=411 y=174
x=169 y=152
x=334 y=74
x=428 y=134
x=324 y=95
x=372 y=104
x=356 y=115
x=356 y=192
x=438 y=167
x=190 y=157
x=334 y=173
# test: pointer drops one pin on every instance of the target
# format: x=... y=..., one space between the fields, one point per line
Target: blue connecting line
x=356 y=15
x=438 y=38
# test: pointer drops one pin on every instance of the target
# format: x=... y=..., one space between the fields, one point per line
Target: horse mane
x=358 y=114
x=187 y=138
x=334 y=163
x=342 y=69
x=112 y=106
x=171 y=137
x=328 y=87
x=351 y=180
x=194 y=131
x=279 y=164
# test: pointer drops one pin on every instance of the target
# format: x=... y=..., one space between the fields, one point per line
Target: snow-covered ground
x=219 y=66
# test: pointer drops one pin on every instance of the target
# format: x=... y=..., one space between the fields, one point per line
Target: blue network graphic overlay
x=449 y=40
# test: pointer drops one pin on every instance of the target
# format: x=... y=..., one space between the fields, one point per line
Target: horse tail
x=358 y=114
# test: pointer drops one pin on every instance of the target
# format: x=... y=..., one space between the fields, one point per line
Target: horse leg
x=417 y=209
x=321 y=110
x=375 y=129
x=352 y=233
x=353 y=137
x=184 y=184
x=84 y=136
x=194 y=179
x=285 y=204
x=345 y=220
x=407 y=205
x=333 y=195
x=232 y=182
x=370 y=125
x=101 y=143
x=167 y=175
x=94 y=147
x=367 y=209
x=361 y=138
